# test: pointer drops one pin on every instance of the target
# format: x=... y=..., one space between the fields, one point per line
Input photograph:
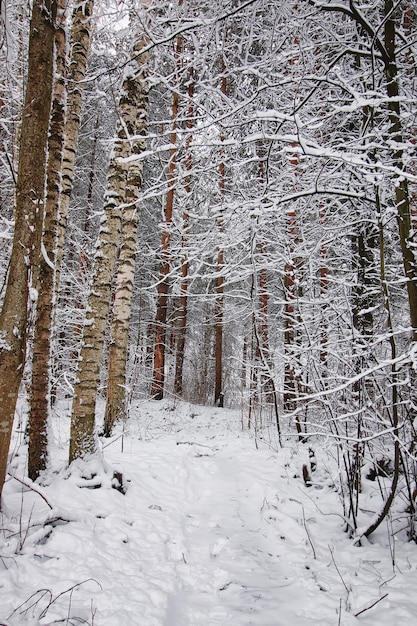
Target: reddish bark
x=182 y=324
x=158 y=382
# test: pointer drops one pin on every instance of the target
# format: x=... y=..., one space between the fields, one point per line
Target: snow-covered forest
x=208 y=326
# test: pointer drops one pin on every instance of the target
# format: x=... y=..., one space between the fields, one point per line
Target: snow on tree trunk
x=29 y=209
x=402 y=198
x=40 y=387
x=80 y=45
x=123 y=292
x=131 y=114
x=219 y=301
x=182 y=327
x=291 y=321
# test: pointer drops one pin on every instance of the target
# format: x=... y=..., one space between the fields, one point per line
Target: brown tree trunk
x=291 y=332
x=290 y=395
x=40 y=387
x=218 y=317
x=219 y=301
x=262 y=350
x=29 y=209
x=158 y=381
x=324 y=286
x=402 y=197
x=182 y=324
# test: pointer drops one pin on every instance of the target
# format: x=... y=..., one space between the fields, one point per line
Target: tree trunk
x=80 y=45
x=122 y=306
x=218 y=317
x=29 y=209
x=41 y=373
x=402 y=198
x=291 y=332
x=182 y=326
x=83 y=436
x=324 y=287
x=158 y=381
x=219 y=301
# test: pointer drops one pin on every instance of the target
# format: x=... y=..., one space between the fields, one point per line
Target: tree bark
x=41 y=371
x=291 y=332
x=121 y=313
x=182 y=327
x=219 y=301
x=402 y=197
x=80 y=45
x=29 y=209
x=83 y=440
x=158 y=381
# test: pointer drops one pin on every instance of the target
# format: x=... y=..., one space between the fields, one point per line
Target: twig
x=112 y=441
x=343 y=517
x=43 y=592
x=23 y=538
x=308 y=535
x=32 y=488
x=338 y=571
x=369 y=606
x=70 y=590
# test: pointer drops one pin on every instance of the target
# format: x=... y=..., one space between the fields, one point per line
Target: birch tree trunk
x=80 y=45
x=131 y=116
x=29 y=209
x=40 y=387
x=122 y=307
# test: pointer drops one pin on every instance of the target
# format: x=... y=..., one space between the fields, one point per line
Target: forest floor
x=215 y=528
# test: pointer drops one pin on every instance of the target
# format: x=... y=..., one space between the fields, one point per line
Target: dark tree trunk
x=29 y=210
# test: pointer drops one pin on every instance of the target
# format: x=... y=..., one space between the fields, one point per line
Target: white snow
x=212 y=530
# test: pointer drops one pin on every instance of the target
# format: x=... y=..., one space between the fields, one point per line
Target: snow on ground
x=212 y=530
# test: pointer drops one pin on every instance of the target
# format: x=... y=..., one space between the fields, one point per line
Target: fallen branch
x=369 y=606
x=32 y=488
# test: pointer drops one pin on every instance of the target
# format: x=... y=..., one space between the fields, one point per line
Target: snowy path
x=211 y=531
x=225 y=571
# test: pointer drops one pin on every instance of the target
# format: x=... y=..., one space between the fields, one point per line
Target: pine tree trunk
x=29 y=209
x=158 y=380
x=182 y=327
x=40 y=387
